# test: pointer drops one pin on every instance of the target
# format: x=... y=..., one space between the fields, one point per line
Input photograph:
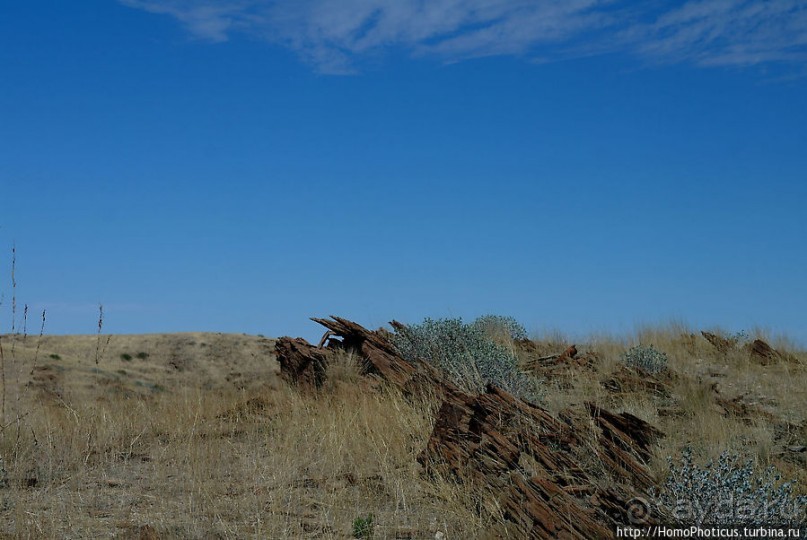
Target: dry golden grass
x=190 y=461
x=201 y=440
x=689 y=416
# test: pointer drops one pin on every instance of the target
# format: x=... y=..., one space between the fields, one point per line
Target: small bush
x=498 y=325
x=470 y=359
x=363 y=527
x=729 y=493
x=55 y=356
x=126 y=357
x=739 y=339
x=142 y=355
x=647 y=358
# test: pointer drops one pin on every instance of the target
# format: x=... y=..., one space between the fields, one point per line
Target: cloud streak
x=726 y=32
x=335 y=35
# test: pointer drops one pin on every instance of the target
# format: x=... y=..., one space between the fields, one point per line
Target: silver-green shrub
x=493 y=325
x=740 y=338
x=729 y=492
x=646 y=357
x=469 y=358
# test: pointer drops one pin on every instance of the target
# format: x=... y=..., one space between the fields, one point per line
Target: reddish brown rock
x=632 y=380
x=764 y=354
x=625 y=444
x=568 y=354
x=380 y=359
x=301 y=363
x=531 y=461
x=562 y=368
x=718 y=342
x=525 y=457
x=742 y=407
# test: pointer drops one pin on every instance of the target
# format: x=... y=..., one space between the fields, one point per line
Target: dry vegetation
x=195 y=436
x=712 y=400
x=139 y=448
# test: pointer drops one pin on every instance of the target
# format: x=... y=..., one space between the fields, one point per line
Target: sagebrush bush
x=497 y=325
x=646 y=357
x=739 y=339
x=469 y=358
x=729 y=492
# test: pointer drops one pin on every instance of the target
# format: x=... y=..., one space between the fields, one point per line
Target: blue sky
x=240 y=166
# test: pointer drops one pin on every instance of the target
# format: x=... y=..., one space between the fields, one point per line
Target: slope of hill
x=198 y=435
x=78 y=365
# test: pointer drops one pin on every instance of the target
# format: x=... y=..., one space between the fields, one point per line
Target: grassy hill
x=139 y=364
x=195 y=435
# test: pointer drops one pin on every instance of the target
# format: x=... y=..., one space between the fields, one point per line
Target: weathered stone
x=527 y=458
x=632 y=380
x=718 y=342
x=763 y=353
x=301 y=363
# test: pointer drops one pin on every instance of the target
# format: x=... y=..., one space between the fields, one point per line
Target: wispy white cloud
x=727 y=32
x=333 y=35
x=208 y=20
